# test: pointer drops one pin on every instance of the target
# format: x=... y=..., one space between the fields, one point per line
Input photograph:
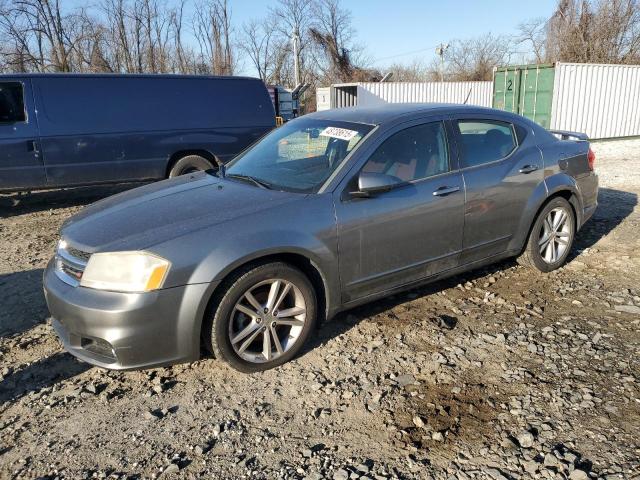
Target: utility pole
x=440 y=51
x=295 y=39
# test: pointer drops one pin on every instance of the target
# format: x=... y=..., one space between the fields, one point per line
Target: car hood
x=142 y=217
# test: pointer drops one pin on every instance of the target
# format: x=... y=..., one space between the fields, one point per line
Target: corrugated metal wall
x=323 y=98
x=344 y=96
x=479 y=93
x=602 y=101
x=366 y=94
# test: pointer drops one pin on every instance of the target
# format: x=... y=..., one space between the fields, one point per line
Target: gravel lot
x=501 y=373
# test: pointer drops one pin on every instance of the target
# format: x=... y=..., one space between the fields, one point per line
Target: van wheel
x=190 y=164
x=263 y=317
x=551 y=237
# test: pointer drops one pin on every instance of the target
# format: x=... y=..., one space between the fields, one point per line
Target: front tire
x=551 y=237
x=263 y=318
x=190 y=164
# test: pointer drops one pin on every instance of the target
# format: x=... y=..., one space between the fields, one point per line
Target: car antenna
x=467 y=99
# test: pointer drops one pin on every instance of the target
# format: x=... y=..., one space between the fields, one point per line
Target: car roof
x=376 y=115
x=119 y=75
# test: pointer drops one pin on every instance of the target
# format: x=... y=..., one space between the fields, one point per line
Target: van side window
x=485 y=141
x=412 y=154
x=11 y=102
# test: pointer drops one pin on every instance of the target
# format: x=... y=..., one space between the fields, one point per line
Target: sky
x=408 y=30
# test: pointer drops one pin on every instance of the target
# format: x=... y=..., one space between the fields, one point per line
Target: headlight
x=125 y=271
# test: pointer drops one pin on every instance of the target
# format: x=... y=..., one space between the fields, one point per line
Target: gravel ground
x=501 y=373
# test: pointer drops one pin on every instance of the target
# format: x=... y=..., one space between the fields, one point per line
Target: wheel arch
x=565 y=193
x=173 y=159
x=302 y=262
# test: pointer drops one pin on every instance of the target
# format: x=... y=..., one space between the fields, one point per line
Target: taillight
x=591 y=157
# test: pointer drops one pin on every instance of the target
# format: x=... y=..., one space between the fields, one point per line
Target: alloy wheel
x=555 y=235
x=267 y=320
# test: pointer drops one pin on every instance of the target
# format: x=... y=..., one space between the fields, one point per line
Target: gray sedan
x=330 y=211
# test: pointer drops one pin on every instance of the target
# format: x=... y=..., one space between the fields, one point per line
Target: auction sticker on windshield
x=341 y=133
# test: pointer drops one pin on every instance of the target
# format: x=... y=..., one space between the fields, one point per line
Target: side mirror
x=370 y=183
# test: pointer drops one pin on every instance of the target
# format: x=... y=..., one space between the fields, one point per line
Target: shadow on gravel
x=613 y=207
x=345 y=320
x=40 y=374
x=23 y=203
x=22 y=302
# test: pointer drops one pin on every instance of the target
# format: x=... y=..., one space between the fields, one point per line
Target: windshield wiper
x=255 y=181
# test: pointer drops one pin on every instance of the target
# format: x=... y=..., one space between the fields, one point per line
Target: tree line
x=201 y=37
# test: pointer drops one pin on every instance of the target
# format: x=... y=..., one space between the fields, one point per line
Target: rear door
x=21 y=165
x=501 y=166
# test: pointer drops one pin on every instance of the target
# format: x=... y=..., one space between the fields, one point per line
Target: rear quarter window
x=485 y=141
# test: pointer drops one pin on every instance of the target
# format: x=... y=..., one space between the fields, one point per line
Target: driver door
x=411 y=232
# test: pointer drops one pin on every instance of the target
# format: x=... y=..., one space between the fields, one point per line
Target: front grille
x=70 y=264
x=71 y=270
x=79 y=254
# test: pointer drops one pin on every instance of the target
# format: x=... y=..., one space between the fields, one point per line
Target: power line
x=405 y=54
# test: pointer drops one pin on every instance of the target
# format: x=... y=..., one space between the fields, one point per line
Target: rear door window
x=12 y=102
x=485 y=141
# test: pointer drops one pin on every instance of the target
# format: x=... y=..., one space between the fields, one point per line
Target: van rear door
x=21 y=165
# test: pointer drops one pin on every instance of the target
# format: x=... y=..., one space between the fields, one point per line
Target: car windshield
x=299 y=156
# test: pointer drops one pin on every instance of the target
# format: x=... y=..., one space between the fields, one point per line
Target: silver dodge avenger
x=329 y=211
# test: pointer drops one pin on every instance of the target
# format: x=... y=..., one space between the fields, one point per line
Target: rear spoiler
x=566 y=135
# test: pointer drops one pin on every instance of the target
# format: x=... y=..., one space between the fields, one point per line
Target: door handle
x=442 y=191
x=32 y=146
x=529 y=168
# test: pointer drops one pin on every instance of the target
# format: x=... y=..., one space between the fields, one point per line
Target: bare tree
x=416 y=71
x=212 y=29
x=182 y=52
x=532 y=34
x=474 y=59
x=262 y=44
x=293 y=20
x=332 y=32
x=602 y=31
x=124 y=35
x=40 y=36
x=139 y=36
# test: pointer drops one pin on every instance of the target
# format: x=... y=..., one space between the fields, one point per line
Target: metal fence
x=366 y=94
x=474 y=93
x=602 y=101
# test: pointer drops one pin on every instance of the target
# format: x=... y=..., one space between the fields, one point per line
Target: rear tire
x=252 y=314
x=551 y=237
x=190 y=164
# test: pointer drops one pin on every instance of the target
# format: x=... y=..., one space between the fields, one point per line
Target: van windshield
x=299 y=156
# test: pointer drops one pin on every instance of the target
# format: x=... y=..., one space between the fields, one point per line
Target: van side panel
x=115 y=157
x=98 y=129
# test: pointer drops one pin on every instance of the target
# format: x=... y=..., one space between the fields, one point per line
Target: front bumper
x=127 y=330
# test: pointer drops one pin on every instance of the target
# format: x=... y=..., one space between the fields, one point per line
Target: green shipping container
x=526 y=90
